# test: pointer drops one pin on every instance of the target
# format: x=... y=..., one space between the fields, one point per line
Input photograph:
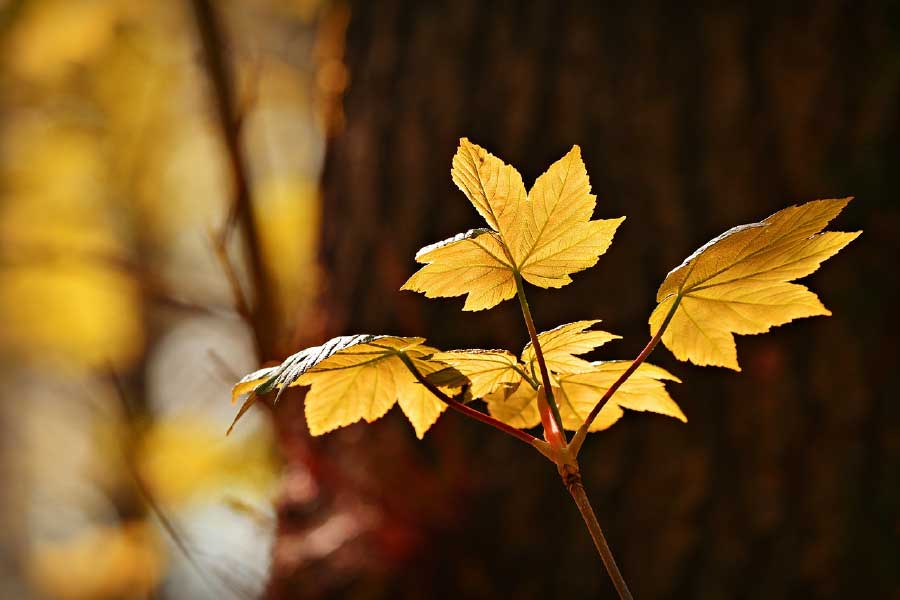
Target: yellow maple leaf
x=577 y=393
x=284 y=375
x=543 y=236
x=494 y=188
x=555 y=236
x=485 y=370
x=515 y=405
x=645 y=390
x=354 y=378
x=417 y=403
x=562 y=343
x=472 y=263
x=364 y=382
x=739 y=282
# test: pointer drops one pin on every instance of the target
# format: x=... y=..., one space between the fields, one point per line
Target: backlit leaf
x=577 y=393
x=417 y=403
x=556 y=236
x=355 y=378
x=561 y=344
x=515 y=405
x=739 y=282
x=472 y=263
x=645 y=390
x=250 y=381
x=265 y=380
x=486 y=370
x=543 y=236
x=494 y=188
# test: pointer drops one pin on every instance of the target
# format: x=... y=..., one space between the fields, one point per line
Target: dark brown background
x=785 y=481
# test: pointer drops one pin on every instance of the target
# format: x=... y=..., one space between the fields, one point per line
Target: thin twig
x=573 y=483
x=580 y=435
x=19 y=254
x=220 y=248
x=468 y=411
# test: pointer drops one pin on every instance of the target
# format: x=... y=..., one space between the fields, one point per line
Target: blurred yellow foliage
x=113 y=180
x=123 y=561
x=62 y=293
x=286 y=206
x=183 y=459
x=83 y=313
x=53 y=35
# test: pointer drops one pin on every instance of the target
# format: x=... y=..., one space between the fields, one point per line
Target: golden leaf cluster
x=738 y=283
x=510 y=387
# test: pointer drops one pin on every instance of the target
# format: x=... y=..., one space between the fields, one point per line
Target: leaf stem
x=528 y=378
x=572 y=480
x=580 y=435
x=539 y=354
x=468 y=411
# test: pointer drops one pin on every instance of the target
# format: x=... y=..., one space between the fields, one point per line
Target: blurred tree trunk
x=782 y=483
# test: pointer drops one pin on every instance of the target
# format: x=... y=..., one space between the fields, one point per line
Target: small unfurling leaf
x=561 y=344
x=577 y=393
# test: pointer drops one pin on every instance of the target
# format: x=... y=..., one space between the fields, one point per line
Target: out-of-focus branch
x=241 y=215
x=223 y=581
x=15 y=255
x=219 y=242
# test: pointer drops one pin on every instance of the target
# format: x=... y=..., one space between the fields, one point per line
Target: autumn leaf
x=515 y=405
x=504 y=383
x=577 y=393
x=485 y=370
x=544 y=236
x=739 y=282
x=645 y=390
x=265 y=380
x=494 y=188
x=556 y=236
x=561 y=344
x=421 y=408
x=472 y=263
x=355 y=378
